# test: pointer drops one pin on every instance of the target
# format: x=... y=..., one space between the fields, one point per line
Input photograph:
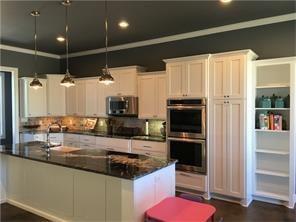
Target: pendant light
x=35 y=84
x=106 y=77
x=67 y=81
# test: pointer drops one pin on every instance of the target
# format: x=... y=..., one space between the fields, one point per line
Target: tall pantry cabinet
x=230 y=75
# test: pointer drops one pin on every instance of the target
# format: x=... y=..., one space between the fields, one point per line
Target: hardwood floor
x=230 y=212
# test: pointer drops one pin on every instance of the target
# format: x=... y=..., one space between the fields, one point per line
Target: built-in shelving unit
x=274 y=150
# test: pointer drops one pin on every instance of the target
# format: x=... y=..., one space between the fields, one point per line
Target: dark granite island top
x=116 y=164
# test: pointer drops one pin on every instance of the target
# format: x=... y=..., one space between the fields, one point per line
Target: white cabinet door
x=101 y=97
x=235 y=148
x=236 y=77
x=195 y=78
x=161 y=96
x=33 y=102
x=218 y=69
x=175 y=73
x=228 y=77
x=147 y=96
x=71 y=103
x=128 y=83
x=218 y=147
x=80 y=97
x=56 y=99
x=91 y=97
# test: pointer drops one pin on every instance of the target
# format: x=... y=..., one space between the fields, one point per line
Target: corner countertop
x=116 y=164
x=100 y=134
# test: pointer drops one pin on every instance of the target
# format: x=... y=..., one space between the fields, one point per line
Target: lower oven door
x=190 y=153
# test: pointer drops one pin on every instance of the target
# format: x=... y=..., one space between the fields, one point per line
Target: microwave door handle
x=186 y=107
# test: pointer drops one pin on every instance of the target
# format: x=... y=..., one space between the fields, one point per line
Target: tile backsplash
x=104 y=125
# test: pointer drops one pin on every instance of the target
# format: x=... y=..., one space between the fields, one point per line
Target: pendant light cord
x=35 y=45
x=106 y=34
x=67 y=41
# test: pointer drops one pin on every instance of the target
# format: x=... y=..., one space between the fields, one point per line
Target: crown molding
x=28 y=51
x=194 y=34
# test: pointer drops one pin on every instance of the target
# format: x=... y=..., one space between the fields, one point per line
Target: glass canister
x=265 y=102
x=279 y=102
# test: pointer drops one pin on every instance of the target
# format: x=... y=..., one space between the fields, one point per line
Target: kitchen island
x=75 y=184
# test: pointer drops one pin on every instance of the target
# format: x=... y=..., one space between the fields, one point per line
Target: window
x=2 y=107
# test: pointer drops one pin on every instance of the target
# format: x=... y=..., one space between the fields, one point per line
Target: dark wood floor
x=230 y=212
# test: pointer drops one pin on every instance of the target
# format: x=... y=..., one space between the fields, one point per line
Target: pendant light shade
x=35 y=84
x=106 y=77
x=67 y=81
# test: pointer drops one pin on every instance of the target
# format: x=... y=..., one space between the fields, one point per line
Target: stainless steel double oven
x=186 y=130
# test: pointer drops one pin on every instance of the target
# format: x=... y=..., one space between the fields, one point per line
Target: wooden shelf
x=271 y=195
x=276 y=109
x=272 y=173
x=276 y=152
x=273 y=86
x=272 y=131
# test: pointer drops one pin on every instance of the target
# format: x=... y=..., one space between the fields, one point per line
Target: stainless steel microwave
x=122 y=106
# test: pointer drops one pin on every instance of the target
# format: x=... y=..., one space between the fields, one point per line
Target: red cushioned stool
x=175 y=209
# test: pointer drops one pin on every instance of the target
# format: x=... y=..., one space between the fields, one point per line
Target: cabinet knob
x=227 y=96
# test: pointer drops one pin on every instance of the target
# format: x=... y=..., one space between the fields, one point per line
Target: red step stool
x=175 y=209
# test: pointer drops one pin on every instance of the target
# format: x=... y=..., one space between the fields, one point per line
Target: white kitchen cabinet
x=91 y=97
x=114 y=144
x=56 y=96
x=125 y=81
x=56 y=137
x=80 y=97
x=33 y=102
x=191 y=181
x=227 y=148
x=228 y=73
x=149 y=148
x=152 y=95
x=28 y=137
x=187 y=76
x=71 y=103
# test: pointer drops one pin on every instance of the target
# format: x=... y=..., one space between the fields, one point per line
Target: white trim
x=2 y=109
x=194 y=34
x=28 y=51
x=15 y=101
x=187 y=58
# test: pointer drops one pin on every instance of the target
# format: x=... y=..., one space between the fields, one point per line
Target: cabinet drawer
x=39 y=137
x=149 y=146
x=191 y=181
x=122 y=145
x=58 y=137
x=149 y=153
x=71 y=137
x=71 y=144
x=87 y=146
x=88 y=139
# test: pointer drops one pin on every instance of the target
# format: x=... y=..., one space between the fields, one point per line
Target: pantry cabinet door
x=196 y=78
x=218 y=69
x=218 y=147
x=235 y=77
x=91 y=97
x=56 y=96
x=161 y=96
x=175 y=73
x=235 y=148
x=71 y=103
x=147 y=96
x=80 y=97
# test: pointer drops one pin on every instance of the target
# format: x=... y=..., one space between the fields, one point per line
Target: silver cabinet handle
x=110 y=149
x=147 y=146
x=149 y=154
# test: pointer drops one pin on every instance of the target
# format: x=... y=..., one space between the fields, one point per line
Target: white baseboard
x=35 y=211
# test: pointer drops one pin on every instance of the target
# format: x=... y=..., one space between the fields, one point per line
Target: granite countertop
x=102 y=134
x=116 y=164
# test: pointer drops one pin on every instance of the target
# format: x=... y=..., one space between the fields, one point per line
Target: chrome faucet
x=48 y=131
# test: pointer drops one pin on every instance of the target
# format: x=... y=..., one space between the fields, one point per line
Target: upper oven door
x=187 y=121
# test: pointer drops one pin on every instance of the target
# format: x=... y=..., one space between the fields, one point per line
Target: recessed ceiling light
x=225 y=1
x=123 y=24
x=60 y=38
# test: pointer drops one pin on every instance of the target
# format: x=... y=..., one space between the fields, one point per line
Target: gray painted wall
x=270 y=41
x=25 y=63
